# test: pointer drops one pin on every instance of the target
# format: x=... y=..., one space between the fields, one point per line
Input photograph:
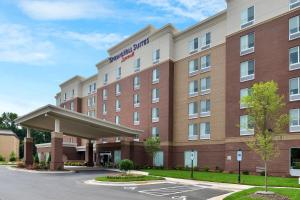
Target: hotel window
x=158 y=159
x=136 y=118
x=155 y=56
x=294 y=58
x=137 y=65
x=118 y=105
x=205 y=85
x=294 y=4
x=188 y=160
x=193 y=45
x=155 y=131
x=205 y=41
x=244 y=93
x=295 y=89
x=294 y=27
x=155 y=95
x=205 y=108
x=105 y=78
x=155 y=76
x=72 y=106
x=118 y=89
x=205 y=63
x=246 y=127
x=193 y=132
x=64 y=106
x=193 y=110
x=117 y=120
x=205 y=130
x=90 y=89
x=104 y=110
x=118 y=73
x=118 y=139
x=104 y=94
x=247 y=71
x=94 y=100
x=193 y=67
x=295 y=120
x=91 y=113
x=65 y=96
x=89 y=102
x=193 y=88
x=155 y=114
x=247 y=17
x=73 y=93
x=136 y=83
x=247 y=44
x=136 y=100
x=94 y=87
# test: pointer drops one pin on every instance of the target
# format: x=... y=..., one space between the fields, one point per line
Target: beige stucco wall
x=9 y=144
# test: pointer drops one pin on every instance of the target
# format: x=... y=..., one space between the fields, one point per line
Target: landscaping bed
x=128 y=178
x=280 y=194
x=226 y=178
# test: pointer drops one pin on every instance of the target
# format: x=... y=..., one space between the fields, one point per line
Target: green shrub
x=245 y=172
x=2 y=159
x=206 y=169
x=262 y=173
x=36 y=158
x=49 y=159
x=12 y=157
x=126 y=165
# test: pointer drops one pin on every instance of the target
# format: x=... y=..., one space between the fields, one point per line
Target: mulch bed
x=269 y=197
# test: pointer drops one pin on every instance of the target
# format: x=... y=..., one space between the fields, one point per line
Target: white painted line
x=171 y=190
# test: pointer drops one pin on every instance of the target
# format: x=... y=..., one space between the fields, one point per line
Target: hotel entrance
x=105 y=159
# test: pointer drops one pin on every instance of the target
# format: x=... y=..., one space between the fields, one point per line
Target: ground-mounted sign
x=239 y=155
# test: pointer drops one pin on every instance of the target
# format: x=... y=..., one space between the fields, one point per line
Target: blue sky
x=45 y=42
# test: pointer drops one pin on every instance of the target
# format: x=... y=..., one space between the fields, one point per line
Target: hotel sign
x=128 y=52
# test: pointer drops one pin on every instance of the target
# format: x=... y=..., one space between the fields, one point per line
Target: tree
x=265 y=109
x=126 y=165
x=152 y=146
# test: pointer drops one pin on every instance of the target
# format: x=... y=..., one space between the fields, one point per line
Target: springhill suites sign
x=129 y=52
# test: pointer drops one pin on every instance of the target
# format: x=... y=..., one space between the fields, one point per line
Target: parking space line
x=171 y=190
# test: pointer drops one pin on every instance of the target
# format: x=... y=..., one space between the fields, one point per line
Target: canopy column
x=28 y=149
x=56 y=148
x=89 y=154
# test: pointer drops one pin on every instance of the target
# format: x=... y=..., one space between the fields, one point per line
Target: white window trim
x=207 y=46
x=293 y=128
x=294 y=66
x=249 y=23
x=294 y=97
x=248 y=77
x=193 y=137
x=294 y=5
x=248 y=50
x=296 y=35
x=191 y=43
x=204 y=136
x=246 y=131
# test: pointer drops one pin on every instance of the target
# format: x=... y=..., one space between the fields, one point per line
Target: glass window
x=136 y=118
x=136 y=82
x=246 y=127
x=193 y=131
x=94 y=86
x=117 y=120
x=155 y=114
x=205 y=130
x=155 y=132
x=295 y=117
x=247 y=42
x=243 y=93
x=247 y=16
x=156 y=56
x=118 y=89
x=205 y=40
x=118 y=105
x=246 y=70
x=118 y=73
x=117 y=156
x=294 y=4
x=193 y=66
x=205 y=106
x=155 y=75
x=205 y=84
x=294 y=25
x=137 y=64
x=105 y=79
x=205 y=61
x=193 y=88
x=72 y=106
x=136 y=100
x=193 y=45
x=104 y=111
x=193 y=109
x=104 y=94
x=158 y=159
x=155 y=95
x=295 y=86
x=188 y=160
x=294 y=56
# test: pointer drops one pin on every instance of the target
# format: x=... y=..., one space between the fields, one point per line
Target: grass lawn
x=226 y=178
x=128 y=178
x=7 y=163
x=292 y=194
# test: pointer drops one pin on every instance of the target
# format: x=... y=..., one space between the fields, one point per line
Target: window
x=94 y=87
x=193 y=131
x=193 y=88
x=104 y=110
x=247 y=71
x=104 y=94
x=105 y=79
x=72 y=106
x=244 y=93
x=294 y=58
x=295 y=89
x=205 y=63
x=205 y=130
x=193 y=110
x=118 y=139
x=155 y=56
x=188 y=160
x=136 y=83
x=73 y=93
x=118 y=105
x=155 y=76
x=205 y=41
x=155 y=95
x=155 y=114
x=90 y=89
x=117 y=156
x=64 y=106
x=91 y=113
x=94 y=100
x=294 y=27
x=295 y=120
x=137 y=65
x=205 y=108
x=136 y=118
x=118 y=73
x=136 y=100
x=247 y=44
x=117 y=120
x=155 y=132
x=246 y=127
x=118 y=89
x=193 y=67
x=247 y=17
x=193 y=45
x=205 y=85
x=158 y=159
x=294 y=4
x=65 y=96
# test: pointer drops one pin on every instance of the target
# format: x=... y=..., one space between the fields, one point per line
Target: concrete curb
x=94 y=182
x=39 y=172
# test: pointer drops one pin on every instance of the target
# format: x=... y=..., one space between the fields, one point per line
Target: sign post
x=239 y=158
x=192 y=164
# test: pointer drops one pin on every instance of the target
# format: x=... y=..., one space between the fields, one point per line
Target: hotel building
x=185 y=87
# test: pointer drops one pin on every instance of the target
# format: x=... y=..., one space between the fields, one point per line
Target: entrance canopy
x=73 y=123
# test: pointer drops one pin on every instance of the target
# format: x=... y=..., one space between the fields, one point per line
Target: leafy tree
x=36 y=158
x=152 y=146
x=266 y=115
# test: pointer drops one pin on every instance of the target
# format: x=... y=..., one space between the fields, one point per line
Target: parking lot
x=29 y=186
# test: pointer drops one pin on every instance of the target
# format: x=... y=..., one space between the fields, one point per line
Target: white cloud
x=64 y=9
x=19 y=45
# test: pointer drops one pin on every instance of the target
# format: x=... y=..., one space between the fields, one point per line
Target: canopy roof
x=73 y=123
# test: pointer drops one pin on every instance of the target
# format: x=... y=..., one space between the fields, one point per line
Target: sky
x=45 y=42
